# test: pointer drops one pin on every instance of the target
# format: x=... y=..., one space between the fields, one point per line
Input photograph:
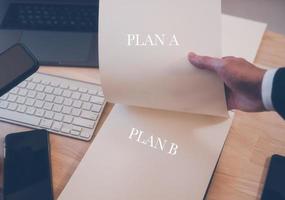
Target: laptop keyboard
x=78 y=18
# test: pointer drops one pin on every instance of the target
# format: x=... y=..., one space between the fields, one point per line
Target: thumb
x=206 y=62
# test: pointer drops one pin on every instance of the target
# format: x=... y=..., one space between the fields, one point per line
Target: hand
x=242 y=80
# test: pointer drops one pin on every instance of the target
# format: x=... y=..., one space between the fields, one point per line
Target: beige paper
x=241 y=37
x=160 y=76
x=116 y=167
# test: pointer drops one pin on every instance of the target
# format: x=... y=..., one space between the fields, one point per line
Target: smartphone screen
x=27 y=172
x=16 y=64
x=274 y=188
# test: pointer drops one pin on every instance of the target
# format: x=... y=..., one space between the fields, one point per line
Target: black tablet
x=16 y=64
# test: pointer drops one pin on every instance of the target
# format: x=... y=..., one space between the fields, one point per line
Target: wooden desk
x=241 y=170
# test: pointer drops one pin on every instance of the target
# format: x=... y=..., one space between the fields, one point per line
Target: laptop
x=58 y=32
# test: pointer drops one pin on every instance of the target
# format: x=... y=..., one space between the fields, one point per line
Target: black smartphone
x=27 y=169
x=16 y=64
x=274 y=188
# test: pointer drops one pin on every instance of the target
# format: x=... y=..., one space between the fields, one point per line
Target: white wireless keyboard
x=60 y=105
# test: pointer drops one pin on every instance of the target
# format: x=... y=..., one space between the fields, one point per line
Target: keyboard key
x=14 y=90
x=74 y=88
x=86 y=106
x=30 y=110
x=57 y=108
x=85 y=134
x=66 y=128
x=45 y=82
x=46 y=123
x=58 y=116
x=54 y=84
x=68 y=118
x=57 y=91
x=21 y=108
x=66 y=110
x=56 y=126
x=85 y=97
x=83 y=122
x=101 y=94
x=23 y=84
x=76 y=128
x=92 y=92
x=29 y=78
x=49 y=114
x=21 y=100
x=30 y=102
x=12 y=106
x=83 y=90
x=48 y=89
x=36 y=80
x=89 y=115
x=77 y=104
x=66 y=93
x=39 y=112
x=76 y=112
x=75 y=95
x=4 y=97
x=12 y=97
x=74 y=132
x=67 y=102
x=31 y=94
x=48 y=106
x=40 y=88
x=3 y=104
x=96 y=108
x=39 y=104
x=49 y=97
x=40 y=96
x=31 y=86
x=64 y=85
x=58 y=100
x=97 y=100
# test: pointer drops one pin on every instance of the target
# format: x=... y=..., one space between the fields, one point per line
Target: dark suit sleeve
x=278 y=92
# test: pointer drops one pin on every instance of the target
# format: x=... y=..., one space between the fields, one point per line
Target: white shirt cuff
x=266 y=89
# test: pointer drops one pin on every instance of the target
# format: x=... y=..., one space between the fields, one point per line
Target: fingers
x=206 y=62
x=229 y=99
x=228 y=57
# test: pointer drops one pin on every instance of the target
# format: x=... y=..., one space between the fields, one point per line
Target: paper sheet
x=138 y=70
x=241 y=37
x=118 y=166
